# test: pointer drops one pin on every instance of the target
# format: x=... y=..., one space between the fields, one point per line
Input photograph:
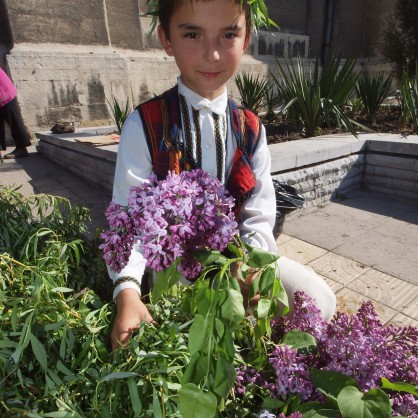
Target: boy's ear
x=165 y=42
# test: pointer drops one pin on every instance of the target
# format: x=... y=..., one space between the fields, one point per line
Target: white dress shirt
x=134 y=166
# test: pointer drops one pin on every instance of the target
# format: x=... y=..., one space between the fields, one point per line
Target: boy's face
x=207 y=40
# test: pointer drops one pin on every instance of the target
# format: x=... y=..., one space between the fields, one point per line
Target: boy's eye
x=230 y=35
x=191 y=35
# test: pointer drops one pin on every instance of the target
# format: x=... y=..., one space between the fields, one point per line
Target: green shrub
x=317 y=98
x=119 y=115
x=373 y=90
x=409 y=99
x=252 y=90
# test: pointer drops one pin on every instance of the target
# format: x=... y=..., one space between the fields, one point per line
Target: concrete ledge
x=320 y=168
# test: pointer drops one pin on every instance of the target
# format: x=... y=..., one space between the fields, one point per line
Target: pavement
x=365 y=246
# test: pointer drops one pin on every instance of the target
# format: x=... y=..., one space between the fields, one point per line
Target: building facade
x=69 y=58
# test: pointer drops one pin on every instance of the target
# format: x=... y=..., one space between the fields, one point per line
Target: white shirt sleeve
x=133 y=167
x=258 y=213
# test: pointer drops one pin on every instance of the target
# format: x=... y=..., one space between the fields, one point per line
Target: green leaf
x=133 y=394
x=262 y=309
x=118 y=375
x=54 y=326
x=227 y=344
x=156 y=406
x=232 y=309
x=39 y=351
x=164 y=280
x=60 y=414
x=195 y=403
x=62 y=289
x=373 y=404
x=204 y=296
x=273 y=403
x=198 y=333
x=254 y=286
x=399 y=386
x=225 y=376
x=189 y=374
x=206 y=258
x=303 y=341
x=330 y=382
x=321 y=413
x=259 y=258
x=267 y=280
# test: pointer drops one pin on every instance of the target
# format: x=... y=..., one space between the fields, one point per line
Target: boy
x=207 y=39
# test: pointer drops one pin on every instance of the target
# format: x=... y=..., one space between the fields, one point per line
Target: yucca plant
x=119 y=115
x=373 y=90
x=317 y=98
x=252 y=90
x=409 y=99
x=270 y=98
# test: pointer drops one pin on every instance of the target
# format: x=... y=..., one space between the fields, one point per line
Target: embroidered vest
x=161 y=119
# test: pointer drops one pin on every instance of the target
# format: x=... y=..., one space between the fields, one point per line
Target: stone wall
x=71 y=57
x=392 y=168
x=320 y=168
x=322 y=182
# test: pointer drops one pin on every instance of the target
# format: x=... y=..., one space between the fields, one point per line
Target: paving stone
x=350 y=301
x=335 y=286
x=300 y=251
x=338 y=268
x=401 y=320
x=385 y=289
x=282 y=239
x=411 y=309
x=394 y=255
x=327 y=229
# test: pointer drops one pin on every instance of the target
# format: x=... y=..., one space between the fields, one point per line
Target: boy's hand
x=245 y=285
x=131 y=311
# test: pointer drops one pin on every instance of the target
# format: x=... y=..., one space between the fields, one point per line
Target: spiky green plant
x=316 y=98
x=373 y=90
x=252 y=90
x=119 y=114
x=409 y=99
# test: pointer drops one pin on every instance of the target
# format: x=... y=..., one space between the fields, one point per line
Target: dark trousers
x=10 y=113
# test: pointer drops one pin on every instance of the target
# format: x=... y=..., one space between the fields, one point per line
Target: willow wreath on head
x=258 y=11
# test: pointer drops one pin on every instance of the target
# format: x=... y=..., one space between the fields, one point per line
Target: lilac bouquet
x=380 y=361
x=171 y=218
x=183 y=224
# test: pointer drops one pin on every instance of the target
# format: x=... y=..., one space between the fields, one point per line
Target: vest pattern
x=162 y=122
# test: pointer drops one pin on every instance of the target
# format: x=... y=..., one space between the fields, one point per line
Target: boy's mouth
x=210 y=74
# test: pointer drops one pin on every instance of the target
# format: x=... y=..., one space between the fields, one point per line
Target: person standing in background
x=10 y=113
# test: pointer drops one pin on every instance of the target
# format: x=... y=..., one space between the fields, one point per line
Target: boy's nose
x=211 y=51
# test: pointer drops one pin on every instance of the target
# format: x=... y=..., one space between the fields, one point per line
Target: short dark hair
x=166 y=8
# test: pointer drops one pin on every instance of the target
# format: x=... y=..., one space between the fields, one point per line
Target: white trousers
x=296 y=276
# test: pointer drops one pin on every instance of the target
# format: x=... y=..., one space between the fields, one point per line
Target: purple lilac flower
x=172 y=218
x=355 y=351
x=246 y=376
x=306 y=317
x=293 y=415
x=405 y=405
x=357 y=345
x=292 y=374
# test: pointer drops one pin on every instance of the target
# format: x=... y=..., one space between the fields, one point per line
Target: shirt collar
x=217 y=105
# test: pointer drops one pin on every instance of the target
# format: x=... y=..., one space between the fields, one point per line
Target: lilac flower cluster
x=292 y=373
x=171 y=218
x=357 y=345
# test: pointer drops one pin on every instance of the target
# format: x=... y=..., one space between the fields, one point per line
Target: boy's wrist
x=126 y=295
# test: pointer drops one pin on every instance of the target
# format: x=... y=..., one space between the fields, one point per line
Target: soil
x=387 y=120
